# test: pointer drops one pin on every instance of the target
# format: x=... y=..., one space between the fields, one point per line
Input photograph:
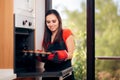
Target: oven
x=24 y=62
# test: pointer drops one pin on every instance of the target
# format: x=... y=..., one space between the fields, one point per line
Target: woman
x=58 y=43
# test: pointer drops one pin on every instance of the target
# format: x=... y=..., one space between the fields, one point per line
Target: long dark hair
x=48 y=33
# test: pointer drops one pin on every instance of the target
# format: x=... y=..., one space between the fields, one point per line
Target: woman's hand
x=58 y=56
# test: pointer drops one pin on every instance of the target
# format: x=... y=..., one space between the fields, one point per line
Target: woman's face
x=52 y=22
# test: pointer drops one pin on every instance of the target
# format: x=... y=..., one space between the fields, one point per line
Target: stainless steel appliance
x=23 y=40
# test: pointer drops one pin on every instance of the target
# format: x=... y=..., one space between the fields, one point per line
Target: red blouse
x=66 y=34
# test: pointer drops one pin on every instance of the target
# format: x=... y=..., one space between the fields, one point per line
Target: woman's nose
x=51 y=24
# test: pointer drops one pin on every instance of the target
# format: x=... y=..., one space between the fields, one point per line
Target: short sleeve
x=66 y=34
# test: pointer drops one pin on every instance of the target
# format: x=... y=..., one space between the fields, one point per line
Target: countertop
x=7 y=74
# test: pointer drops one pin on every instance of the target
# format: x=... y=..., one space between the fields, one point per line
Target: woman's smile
x=52 y=22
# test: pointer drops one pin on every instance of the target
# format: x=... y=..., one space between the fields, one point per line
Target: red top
x=66 y=34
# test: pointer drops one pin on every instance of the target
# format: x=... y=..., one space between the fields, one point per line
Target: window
x=107 y=31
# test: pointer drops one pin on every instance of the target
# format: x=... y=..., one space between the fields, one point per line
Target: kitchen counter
x=7 y=74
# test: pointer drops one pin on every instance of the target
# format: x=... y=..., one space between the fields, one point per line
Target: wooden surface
x=25 y=79
x=6 y=34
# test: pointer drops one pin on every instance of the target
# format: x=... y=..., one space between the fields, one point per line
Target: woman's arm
x=70 y=46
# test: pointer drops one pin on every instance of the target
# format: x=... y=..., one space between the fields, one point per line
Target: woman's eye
x=47 y=21
x=54 y=21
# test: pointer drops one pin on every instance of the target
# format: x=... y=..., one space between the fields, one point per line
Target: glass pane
x=73 y=13
x=105 y=71
x=107 y=28
x=107 y=45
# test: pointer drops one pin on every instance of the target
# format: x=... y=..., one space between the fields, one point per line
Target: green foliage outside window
x=76 y=21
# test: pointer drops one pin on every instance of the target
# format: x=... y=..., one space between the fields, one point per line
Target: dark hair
x=48 y=33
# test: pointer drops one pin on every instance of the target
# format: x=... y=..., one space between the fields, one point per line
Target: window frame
x=90 y=40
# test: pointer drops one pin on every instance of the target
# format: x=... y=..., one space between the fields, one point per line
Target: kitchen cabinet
x=6 y=34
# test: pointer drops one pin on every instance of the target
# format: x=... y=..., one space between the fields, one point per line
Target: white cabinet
x=24 y=7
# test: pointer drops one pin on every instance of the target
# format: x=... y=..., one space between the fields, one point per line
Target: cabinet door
x=6 y=34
